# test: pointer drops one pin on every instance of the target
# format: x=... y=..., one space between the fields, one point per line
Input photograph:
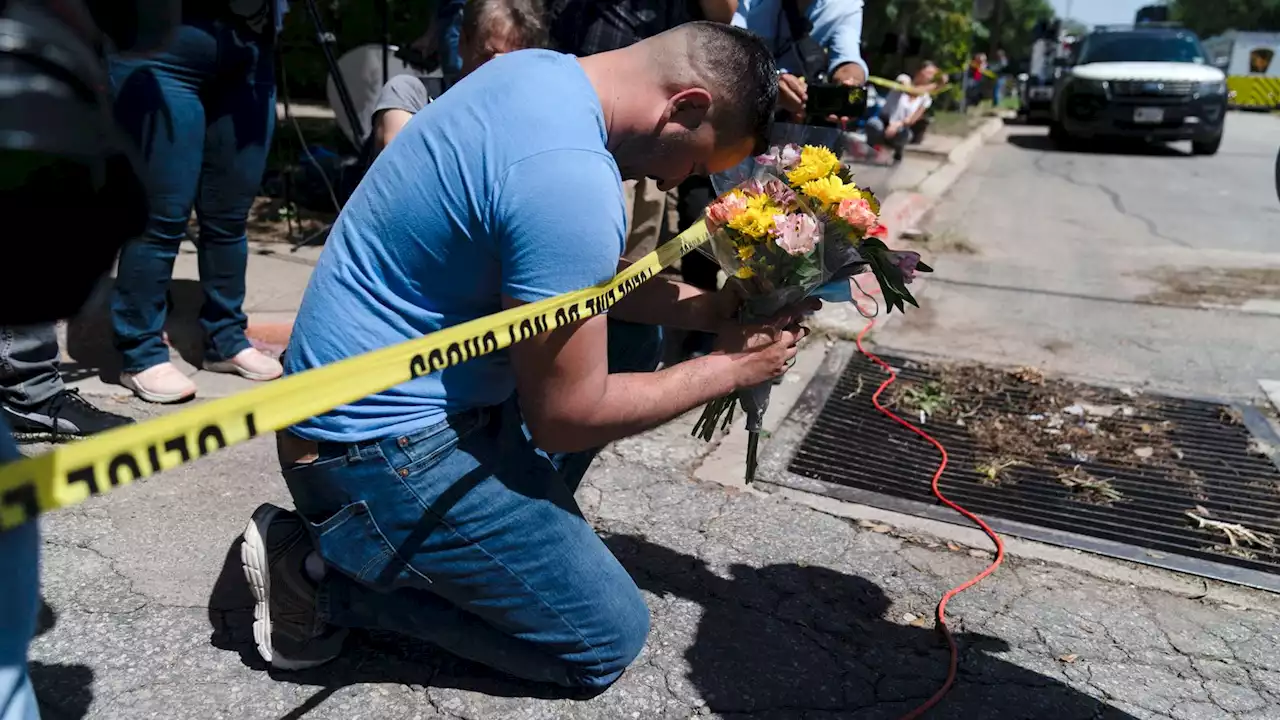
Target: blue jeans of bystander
x=19 y=602
x=202 y=113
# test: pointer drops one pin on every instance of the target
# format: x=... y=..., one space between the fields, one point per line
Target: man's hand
x=850 y=75
x=892 y=130
x=760 y=353
x=792 y=94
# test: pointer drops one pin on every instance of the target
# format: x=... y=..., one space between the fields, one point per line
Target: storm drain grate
x=1130 y=501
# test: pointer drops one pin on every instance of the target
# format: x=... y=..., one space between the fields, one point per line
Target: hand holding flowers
x=781 y=241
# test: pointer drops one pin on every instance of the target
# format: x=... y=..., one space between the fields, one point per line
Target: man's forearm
x=635 y=402
x=663 y=301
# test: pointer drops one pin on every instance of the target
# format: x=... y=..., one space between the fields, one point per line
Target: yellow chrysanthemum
x=829 y=190
x=815 y=162
x=753 y=221
x=744 y=273
x=746 y=252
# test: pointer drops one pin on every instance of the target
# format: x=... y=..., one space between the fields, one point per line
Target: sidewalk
x=275 y=281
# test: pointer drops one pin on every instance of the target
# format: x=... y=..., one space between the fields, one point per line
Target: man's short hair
x=524 y=21
x=738 y=68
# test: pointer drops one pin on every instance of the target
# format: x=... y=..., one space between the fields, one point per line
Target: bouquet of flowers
x=783 y=240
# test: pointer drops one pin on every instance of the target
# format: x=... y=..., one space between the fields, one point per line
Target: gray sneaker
x=286 y=626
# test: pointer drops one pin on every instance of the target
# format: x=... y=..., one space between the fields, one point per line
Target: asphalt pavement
x=764 y=608
x=1127 y=263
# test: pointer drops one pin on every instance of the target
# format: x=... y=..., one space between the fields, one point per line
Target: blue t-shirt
x=503 y=186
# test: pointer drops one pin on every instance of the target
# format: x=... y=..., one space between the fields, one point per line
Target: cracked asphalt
x=762 y=610
x=1070 y=255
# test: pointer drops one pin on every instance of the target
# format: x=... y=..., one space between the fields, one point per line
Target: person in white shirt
x=901 y=111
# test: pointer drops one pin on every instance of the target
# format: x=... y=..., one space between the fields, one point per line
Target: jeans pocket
x=416 y=453
x=351 y=542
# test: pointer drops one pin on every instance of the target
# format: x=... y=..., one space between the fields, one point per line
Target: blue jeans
x=466 y=535
x=202 y=113
x=19 y=603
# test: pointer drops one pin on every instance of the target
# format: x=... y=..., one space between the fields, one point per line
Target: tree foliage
x=1213 y=17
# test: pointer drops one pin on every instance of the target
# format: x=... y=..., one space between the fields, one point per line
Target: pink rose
x=857 y=212
x=906 y=262
x=720 y=212
x=780 y=193
x=796 y=233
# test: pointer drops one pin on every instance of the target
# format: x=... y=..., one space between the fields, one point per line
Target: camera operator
x=811 y=40
x=60 y=156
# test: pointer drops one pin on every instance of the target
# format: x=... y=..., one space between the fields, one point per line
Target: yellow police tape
x=73 y=473
x=1254 y=91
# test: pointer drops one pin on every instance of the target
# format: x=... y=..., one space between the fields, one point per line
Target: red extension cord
x=941 y=612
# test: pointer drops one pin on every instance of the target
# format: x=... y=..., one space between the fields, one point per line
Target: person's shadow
x=63 y=692
x=783 y=638
x=792 y=638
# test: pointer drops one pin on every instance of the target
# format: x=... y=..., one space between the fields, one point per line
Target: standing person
x=34 y=401
x=973 y=80
x=999 y=67
x=443 y=508
x=810 y=39
x=901 y=111
x=202 y=111
x=63 y=159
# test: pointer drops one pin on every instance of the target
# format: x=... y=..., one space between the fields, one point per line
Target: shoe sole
x=233 y=369
x=46 y=436
x=157 y=398
x=257 y=572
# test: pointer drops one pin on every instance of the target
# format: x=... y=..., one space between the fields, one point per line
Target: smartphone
x=839 y=100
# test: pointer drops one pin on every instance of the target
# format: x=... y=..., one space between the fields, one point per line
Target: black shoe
x=65 y=416
x=286 y=623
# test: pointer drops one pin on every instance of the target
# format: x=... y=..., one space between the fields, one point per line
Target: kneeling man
x=443 y=508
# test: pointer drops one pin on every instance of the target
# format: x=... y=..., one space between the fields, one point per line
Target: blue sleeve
x=559 y=223
x=837 y=26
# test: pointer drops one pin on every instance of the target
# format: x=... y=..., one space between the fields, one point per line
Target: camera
x=68 y=176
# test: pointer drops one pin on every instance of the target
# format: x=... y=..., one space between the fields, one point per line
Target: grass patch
x=950 y=122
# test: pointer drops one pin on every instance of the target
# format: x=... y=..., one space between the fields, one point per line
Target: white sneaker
x=163 y=383
x=249 y=363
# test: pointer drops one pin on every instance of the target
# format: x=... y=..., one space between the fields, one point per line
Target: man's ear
x=689 y=107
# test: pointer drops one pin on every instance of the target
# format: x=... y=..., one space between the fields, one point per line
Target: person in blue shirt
x=443 y=508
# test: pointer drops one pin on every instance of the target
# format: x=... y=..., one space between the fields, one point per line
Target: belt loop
x=353 y=452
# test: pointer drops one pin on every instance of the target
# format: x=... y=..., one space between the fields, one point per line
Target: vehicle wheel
x=1206 y=147
x=1059 y=136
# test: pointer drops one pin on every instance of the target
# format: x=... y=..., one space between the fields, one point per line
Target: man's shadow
x=63 y=692
x=783 y=637
x=792 y=637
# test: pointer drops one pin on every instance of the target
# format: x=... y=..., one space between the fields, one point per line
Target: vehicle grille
x=1143 y=88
